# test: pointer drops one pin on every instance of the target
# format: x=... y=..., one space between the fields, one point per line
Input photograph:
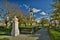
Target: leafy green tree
x=55 y=15
x=44 y=21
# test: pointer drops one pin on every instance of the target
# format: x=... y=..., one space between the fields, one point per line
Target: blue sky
x=39 y=7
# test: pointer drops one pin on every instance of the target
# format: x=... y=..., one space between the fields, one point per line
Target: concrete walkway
x=43 y=34
x=21 y=37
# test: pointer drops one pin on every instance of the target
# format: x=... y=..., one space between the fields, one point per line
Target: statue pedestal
x=15 y=29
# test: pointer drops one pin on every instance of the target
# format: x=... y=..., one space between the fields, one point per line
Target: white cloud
x=43 y=13
x=26 y=6
x=38 y=20
x=36 y=10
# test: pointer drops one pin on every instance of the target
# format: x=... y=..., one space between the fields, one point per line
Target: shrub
x=57 y=29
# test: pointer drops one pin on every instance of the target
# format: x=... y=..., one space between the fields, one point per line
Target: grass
x=4 y=39
x=4 y=31
x=25 y=26
x=55 y=34
x=1 y=32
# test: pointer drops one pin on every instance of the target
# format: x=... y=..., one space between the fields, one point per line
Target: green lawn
x=55 y=34
x=26 y=27
x=1 y=32
x=4 y=39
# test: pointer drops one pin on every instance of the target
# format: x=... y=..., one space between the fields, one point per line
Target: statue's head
x=15 y=18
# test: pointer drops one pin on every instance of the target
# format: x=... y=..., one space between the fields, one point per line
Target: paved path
x=21 y=37
x=43 y=34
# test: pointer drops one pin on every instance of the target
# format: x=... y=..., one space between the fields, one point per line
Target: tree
x=44 y=22
x=55 y=15
x=14 y=10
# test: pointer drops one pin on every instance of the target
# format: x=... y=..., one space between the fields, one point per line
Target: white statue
x=15 y=29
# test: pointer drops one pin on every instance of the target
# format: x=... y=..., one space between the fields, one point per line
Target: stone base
x=16 y=33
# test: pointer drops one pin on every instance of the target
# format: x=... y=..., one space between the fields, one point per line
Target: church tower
x=31 y=14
